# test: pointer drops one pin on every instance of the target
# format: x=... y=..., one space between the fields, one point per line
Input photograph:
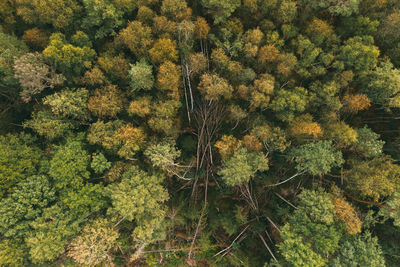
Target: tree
x=303 y=126
x=115 y=67
x=140 y=107
x=316 y=158
x=11 y=47
x=164 y=49
x=34 y=75
x=68 y=167
x=69 y=104
x=137 y=37
x=383 y=86
x=102 y=18
x=392 y=209
x=99 y=163
x=36 y=38
x=102 y=133
x=353 y=103
x=347 y=214
x=337 y=8
x=175 y=9
x=60 y=13
x=359 y=53
x=360 y=250
x=220 y=10
x=24 y=205
x=69 y=59
x=45 y=123
x=20 y=158
x=227 y=145
x=106 y=102
x=131 y=140
x=313 y=231
x=341 y=134
x=140 y=197
x=95 y=244
x=169 y=79
x=213 y=87
x=374 y=179
x=261 y=91
x=288 y=103
x=50 y=234
x=163 y=117
x=141 y=76
x=242 y=166
x=368 y=143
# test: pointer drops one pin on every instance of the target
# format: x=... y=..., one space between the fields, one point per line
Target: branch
x=290 y=178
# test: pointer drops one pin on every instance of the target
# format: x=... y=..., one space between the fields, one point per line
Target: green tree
x=360 y=250
x=337 y=8
x=19 y=159
x=45 y=123
x=140 y=197
x=288 y=103
x=102 y=17
x=242 y=166
x=141 y=76
x=10 y=48
x=368 y=142
x=313 y=231
x=316 y=158
x=99 y=163
x=375 y=179
x=68 y=167
x=69 y=104
x=383 y=86
x=359 y=53
x=24 y=205
x=220 y=10
x=71 y=60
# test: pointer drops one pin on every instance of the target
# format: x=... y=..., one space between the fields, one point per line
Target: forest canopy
x=199 y=133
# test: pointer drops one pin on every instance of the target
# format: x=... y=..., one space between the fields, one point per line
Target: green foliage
x=242 y=166
x=221 y=10
x=359 y=53
x=288 y=103
x=141 y=75
x=69 y=104
x=45 y=123
x=19 y=159
x=368 y=142
x=335 y=7
x=10 y=48
x=163 y=155
x=24 y=205
x=360 y=250
x=312 y=231
x=68 y=167
x=102 y=17
x=138 y=195
x=393 y=209
x=384 y=85
x=69 y=59
x=375 y=178
x=316 y=158
x=99 y=163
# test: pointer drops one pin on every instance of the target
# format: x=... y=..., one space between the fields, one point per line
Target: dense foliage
x=199 y=133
